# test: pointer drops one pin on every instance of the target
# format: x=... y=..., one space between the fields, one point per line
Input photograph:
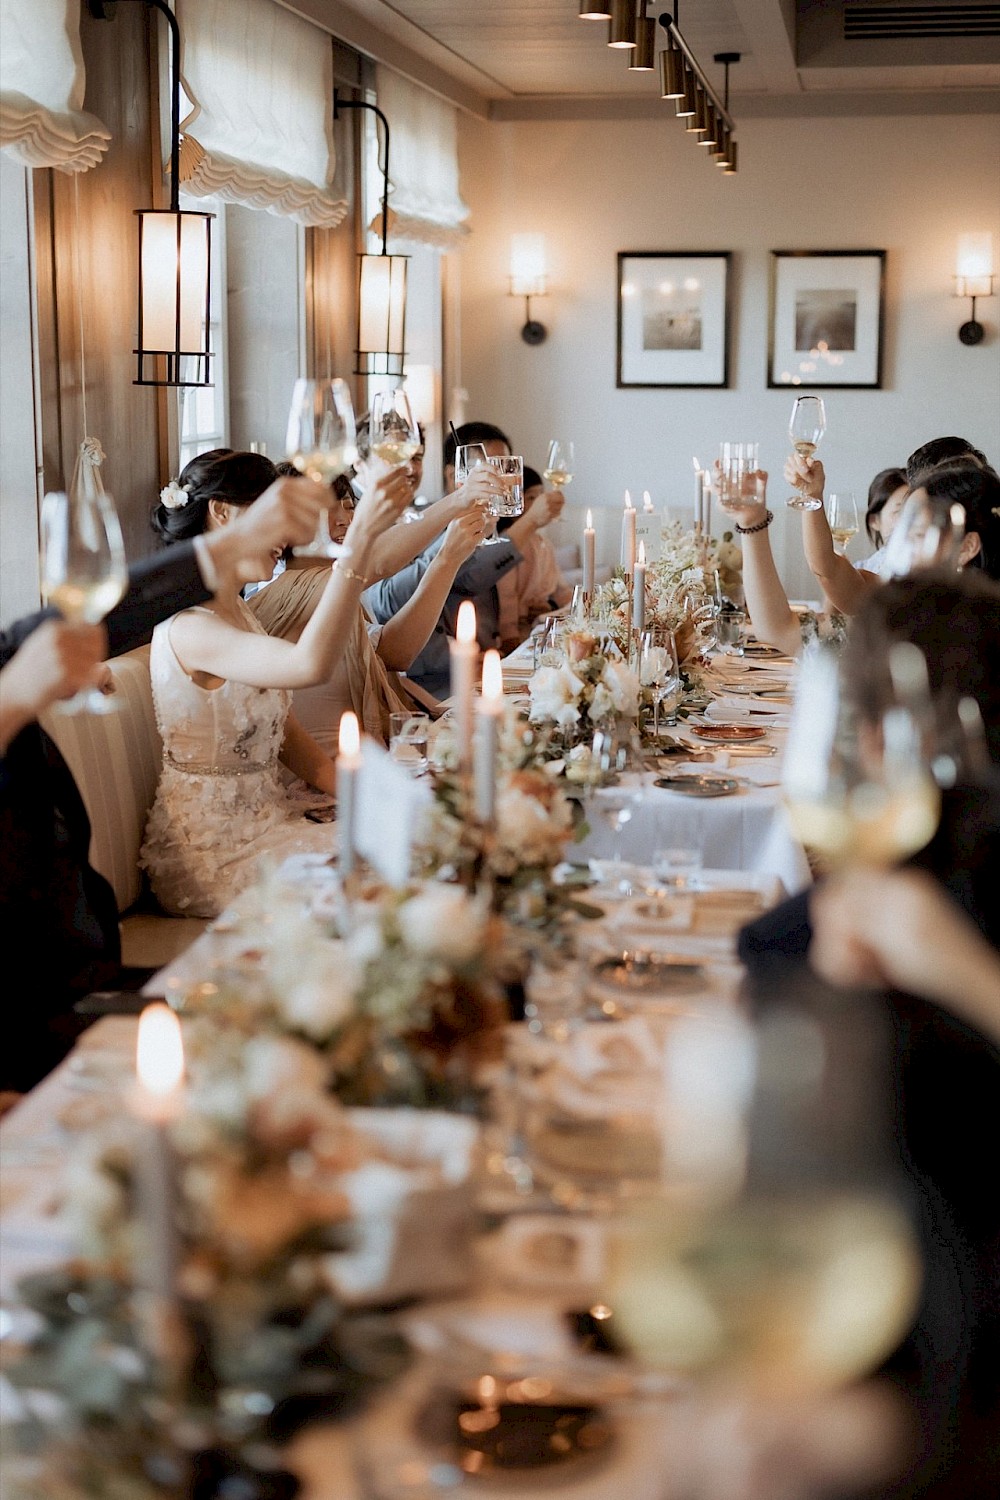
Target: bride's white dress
x=220 y=807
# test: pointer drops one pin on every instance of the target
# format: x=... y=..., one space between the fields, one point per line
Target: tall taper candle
x=348 y=764
x=487 y=735
x=589 y=563
x=639 y=590
x=157 y=1101
x=628 y=535
x=464 y=655
x=699 y=496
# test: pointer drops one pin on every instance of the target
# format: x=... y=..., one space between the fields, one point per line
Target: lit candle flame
x=641 y=560
x=697 y=466
x=349 y=737
x=647 y=500
x=590 y=521
x=492 y=676
x=628 y=501
x=159 y=1053
x=465 y=628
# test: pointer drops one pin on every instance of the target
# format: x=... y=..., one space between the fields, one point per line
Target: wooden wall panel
x=87 y=271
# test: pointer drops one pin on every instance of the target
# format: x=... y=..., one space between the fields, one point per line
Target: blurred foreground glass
x=858 y=792
x=560 y=464
x=84 y=573
x=408 y=735
x=928 y=535
x=779 y=1256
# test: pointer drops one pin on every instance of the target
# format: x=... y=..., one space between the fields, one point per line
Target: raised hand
x=806 y=474
x=464 y=535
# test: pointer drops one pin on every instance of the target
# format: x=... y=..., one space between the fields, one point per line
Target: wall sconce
x=529 y=278
x=381 y=281
x=974 y=278
x=175 y=262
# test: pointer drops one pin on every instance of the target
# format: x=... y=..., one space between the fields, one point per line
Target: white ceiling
x=524 y=58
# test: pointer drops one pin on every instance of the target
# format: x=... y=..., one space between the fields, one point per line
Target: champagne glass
x=779 y=1258
x=321 y=442
x=393 y=435
x=469 y=456
x=84 y=572
x=806 y=429
x=842 y=513
x=658 y=670
x=858 y=792
x=559 y=465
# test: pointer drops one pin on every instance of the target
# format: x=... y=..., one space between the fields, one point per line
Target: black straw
x=454 y=433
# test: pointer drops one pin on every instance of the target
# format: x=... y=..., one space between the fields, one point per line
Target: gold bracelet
x=350 y=573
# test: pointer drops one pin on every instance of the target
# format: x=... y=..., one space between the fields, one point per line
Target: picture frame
x=673 y=319
x=826 y=319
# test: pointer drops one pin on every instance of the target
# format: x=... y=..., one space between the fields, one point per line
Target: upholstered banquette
x=116 y=761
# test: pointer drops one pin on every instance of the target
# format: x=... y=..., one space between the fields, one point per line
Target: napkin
x=733 y=711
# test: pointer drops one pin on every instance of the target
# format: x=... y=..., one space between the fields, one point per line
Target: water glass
x=729 y=625
x=408 y=741
x=678 y=868
x=510 y=467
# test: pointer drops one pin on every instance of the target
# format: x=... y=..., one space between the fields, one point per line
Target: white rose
x=555 y=693
x=274 y=1064
x=653 y=665
x=533 y=834
x=441 y=921
x=623 y=686
x=315 y=987
x=602 y=702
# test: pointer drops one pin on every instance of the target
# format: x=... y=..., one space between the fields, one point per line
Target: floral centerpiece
x=589 y=691
x=260 y=1339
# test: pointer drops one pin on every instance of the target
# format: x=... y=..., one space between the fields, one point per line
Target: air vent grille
x=897 y=22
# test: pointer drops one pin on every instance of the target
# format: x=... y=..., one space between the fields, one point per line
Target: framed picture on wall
x=826 y=318
x=673 y=318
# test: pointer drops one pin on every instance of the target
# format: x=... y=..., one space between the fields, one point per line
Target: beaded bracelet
x=350 y=573
x=759 y=526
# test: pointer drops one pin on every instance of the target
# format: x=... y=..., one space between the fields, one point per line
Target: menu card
x=390 y=803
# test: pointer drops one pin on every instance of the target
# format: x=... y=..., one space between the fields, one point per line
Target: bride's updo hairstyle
x=219 y=474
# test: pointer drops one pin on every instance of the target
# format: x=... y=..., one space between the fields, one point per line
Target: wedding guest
x=365 y=678
x=56 y=908
x=222 y=692
x=476 y=579
x=941 y=450
x=945 y=1061
x=886 y=497
x=537 y=585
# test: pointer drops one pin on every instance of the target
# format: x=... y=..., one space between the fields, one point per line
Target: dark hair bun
x=219 y=474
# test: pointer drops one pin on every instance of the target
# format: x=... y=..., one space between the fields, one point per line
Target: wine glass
x=559 y=465
x=806 y=429
x=928 y=534
x=469 y=456
x=842 y=514
x=658 y=670
x=779 y=1257
x=859 y=792
x=393 y=434
x=321 y=442
x=84 y=572
x=617 y=806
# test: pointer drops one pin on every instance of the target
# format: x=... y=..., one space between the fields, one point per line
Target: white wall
x=908 y=185
x=265 y=275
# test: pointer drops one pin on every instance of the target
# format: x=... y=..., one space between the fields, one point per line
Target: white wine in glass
x=84 y=571
x=393 y=435
x=321 y=441
x=806 y=428
x=559 y=466
x=842 y=513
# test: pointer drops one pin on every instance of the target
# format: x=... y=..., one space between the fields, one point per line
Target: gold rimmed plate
x=729 y=734
x=760 y=652
x=693 y=785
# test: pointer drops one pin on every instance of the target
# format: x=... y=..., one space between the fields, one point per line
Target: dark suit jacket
x=59 y=917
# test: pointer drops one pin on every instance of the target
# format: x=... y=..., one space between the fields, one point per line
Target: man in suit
x=59 y=914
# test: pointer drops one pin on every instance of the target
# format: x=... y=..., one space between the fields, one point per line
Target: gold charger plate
x=729 y=734
x=761 y=652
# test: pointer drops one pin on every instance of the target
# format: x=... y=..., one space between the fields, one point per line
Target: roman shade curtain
x=42 y=119
x=260 y=131
x=425 y=205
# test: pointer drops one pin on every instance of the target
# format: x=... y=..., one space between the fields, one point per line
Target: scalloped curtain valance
x=425 y=205
x=260 y=130
x=42 y=119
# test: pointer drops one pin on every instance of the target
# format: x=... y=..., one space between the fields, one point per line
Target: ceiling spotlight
x=696 y=123
x=711 y=136
x=643 y=59
x=591 y=10
x=729 y=167
x=687 y=104
x=671 y=73
x=621 y=32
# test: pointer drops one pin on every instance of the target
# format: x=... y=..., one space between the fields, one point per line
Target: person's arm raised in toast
x=845 y=586
x=407 y=632
x=54 y=662
x=401 y=544
x=214 y=644
x=773 y=620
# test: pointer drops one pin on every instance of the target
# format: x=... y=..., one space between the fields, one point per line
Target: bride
x=222 y=691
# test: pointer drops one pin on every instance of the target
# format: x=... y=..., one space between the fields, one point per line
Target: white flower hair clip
x=175 y=495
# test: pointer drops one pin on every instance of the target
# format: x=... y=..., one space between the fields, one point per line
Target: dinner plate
x=760 y=651
x=640 y=970
x=694 y=785
x=729 y=734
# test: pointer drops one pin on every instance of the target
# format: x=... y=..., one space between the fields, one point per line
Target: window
x=203 y=411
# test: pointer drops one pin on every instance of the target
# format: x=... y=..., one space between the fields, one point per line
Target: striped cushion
x=116 y=761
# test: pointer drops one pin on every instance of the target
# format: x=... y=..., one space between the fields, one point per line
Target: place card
x=390 y=803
